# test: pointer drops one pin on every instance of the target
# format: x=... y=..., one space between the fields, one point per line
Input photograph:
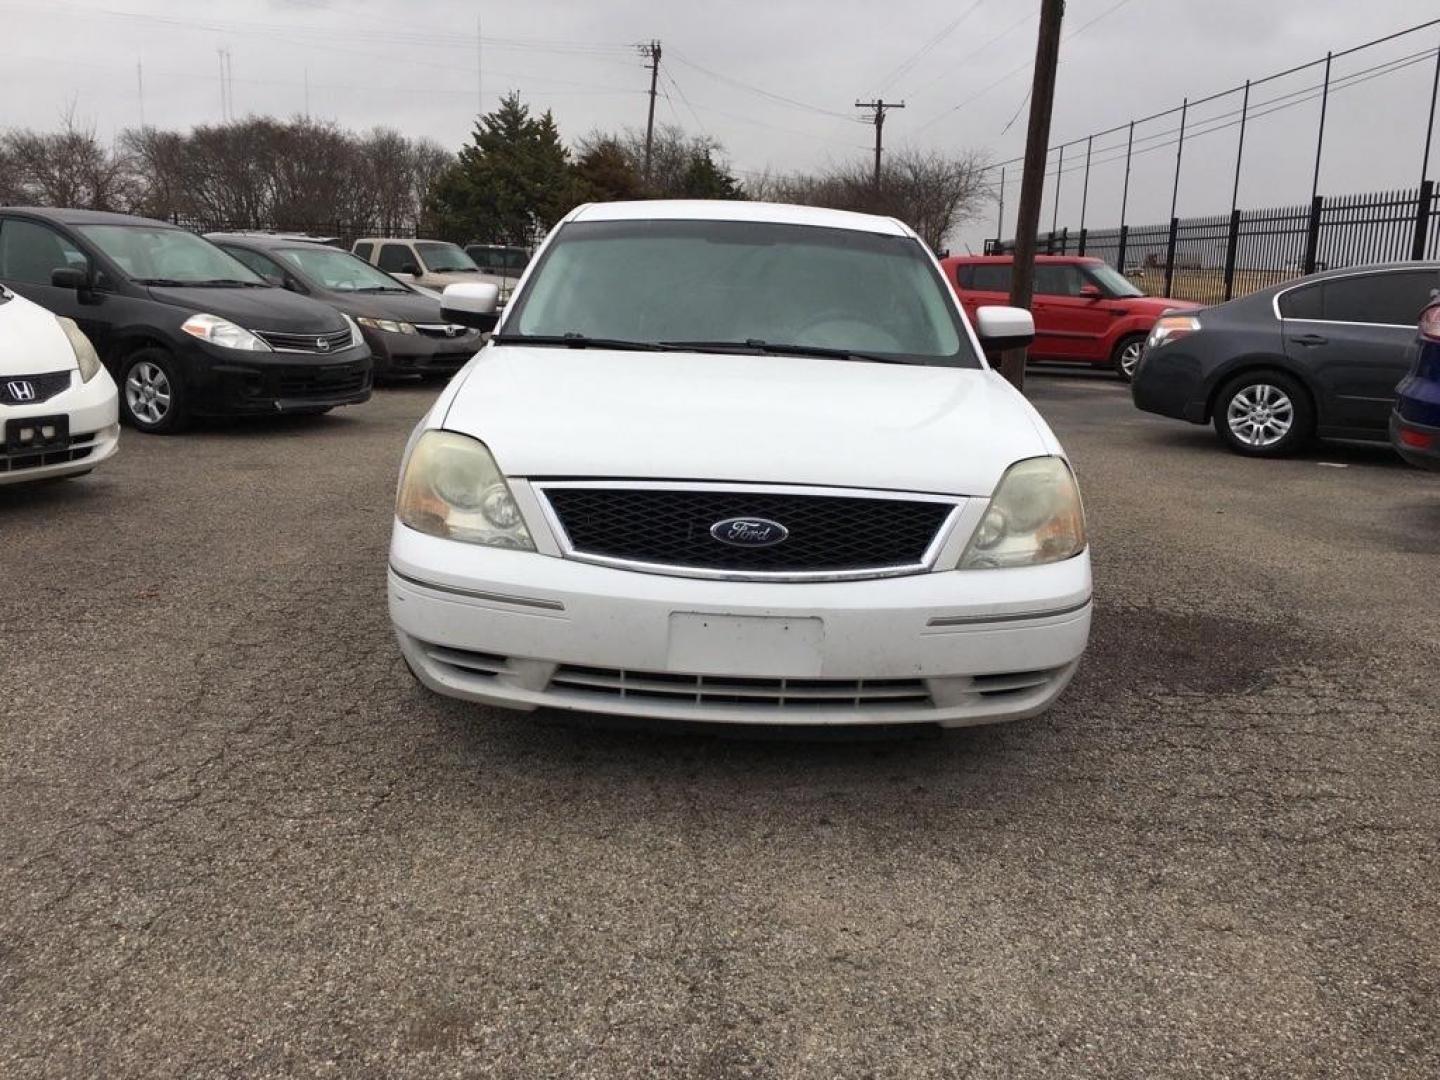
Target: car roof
x=738 y=210
x=1070 y=260
x=65 y=216
x=269 y=240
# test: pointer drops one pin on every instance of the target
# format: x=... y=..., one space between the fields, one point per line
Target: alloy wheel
x=1260 y=415
x=147 y=392
x=1130 y=358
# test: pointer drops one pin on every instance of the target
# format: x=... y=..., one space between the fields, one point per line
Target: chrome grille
x=306 y=343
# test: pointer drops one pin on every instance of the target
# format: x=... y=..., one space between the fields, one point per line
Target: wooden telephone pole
x=653 y=52
x=1032 y=181
x=879 y=107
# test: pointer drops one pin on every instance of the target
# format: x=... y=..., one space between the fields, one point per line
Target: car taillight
x=1420 y=440
x=1430 y=323
x=1170 y=328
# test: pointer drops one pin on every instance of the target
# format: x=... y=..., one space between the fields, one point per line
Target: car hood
x=31 y=341
x=547 y=412
x=440 y=280
x=256 y=309
x=1158 y=305
x=406 y=307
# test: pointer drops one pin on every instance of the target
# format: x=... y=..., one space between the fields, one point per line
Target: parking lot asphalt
x=236 y=840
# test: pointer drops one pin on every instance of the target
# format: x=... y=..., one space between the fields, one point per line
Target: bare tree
x=428 y=161
x=69 y=167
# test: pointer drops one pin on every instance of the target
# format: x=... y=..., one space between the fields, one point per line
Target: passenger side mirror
x=471 y=305
x=1091 y=292
x=1002 y=328
x=70 y=277
x=411 y=269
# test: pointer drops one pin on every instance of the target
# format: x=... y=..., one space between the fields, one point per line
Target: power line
x=921 y=52
x=769 y=95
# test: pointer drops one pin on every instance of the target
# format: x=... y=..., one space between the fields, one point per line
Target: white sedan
x=739 y=462
x=58 y=404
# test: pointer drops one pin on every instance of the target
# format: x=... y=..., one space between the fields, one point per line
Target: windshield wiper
x=221 y=282
x=754 y=347
x=577 y=341
x=164 y=282
x=380 y=288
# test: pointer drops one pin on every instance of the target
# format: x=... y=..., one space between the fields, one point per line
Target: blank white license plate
x=745 y=645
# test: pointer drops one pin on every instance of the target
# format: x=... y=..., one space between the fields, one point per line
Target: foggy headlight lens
x=452 y=488
x=387 y=326
x=222 y=332
x=85 y=355
x=1034 y=517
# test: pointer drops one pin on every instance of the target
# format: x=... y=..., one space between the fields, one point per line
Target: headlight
x=1170 y=328
x=451 y=487
x=222 y=332
x=356 y=338
x=1034 y=517
x=85 y=355
x=388 y=326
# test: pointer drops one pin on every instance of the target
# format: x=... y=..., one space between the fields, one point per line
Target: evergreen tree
x=512 y=181
x=704 y=179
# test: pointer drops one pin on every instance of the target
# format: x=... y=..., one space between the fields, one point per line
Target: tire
x=152 y=398
x=1126 y=355
x=1264 y=414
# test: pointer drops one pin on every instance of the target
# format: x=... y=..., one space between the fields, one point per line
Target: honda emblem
x=21 y=390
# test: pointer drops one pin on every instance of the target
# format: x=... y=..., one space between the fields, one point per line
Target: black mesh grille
x=32 y=389
x=826 y=532
x=322 y=382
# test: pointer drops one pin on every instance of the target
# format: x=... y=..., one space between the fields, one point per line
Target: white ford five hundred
x=739 y=462
x=58 y=405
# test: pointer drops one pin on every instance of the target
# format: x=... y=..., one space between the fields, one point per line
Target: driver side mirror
x=1001 y=328
x=70 y=277
x=471 y=305
x=410 y=268
x=1091 y=292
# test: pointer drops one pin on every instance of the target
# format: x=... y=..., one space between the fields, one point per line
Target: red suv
x=1085 y=310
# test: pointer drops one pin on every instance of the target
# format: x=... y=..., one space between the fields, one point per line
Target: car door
x=1069 y=325
x=980 y=284
x=30 y=251
x=1353 y=333
x=399 y=259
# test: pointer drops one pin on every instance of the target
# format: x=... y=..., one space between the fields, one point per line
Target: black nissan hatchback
x=185 y=329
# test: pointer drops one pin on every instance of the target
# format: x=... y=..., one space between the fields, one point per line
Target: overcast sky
x=773 y=80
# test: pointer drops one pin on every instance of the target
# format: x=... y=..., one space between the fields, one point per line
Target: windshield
x=339 y=271
x=444 y=258
x=153 y=254
x=1112 y=281
x=746 y=283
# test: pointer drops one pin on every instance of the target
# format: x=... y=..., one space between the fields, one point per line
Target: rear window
x=991 y=277
x=1393 y=298
x=364 y=250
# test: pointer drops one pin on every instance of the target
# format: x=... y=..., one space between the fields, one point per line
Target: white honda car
x=58 y=404
x=739 y=462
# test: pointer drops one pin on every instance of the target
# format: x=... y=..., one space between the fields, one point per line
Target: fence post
x=1120 y=252
x=1081 y=249
x=1170 y=255
x=1065 y=240
x=1231 y=243
x=1422 y=219
x=1312 y=234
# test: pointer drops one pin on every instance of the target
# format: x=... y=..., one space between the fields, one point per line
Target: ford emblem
x=749 y=532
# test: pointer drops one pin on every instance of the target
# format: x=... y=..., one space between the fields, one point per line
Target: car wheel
x=1264 y=414
x=1126 y=356
x=151 y=397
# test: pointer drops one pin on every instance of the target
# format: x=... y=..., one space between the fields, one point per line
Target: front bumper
x=1168 y=381
x=523 y=630
x=1419 y=444
x=91 y=412
x=421 y=353
x=224 y=382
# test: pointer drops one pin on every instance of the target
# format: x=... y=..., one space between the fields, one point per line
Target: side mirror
x=472 y=305
x=70 y=277
x=410 y=268
x=1004 y=327
x=1091 y=292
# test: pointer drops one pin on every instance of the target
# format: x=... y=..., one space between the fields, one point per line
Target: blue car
x=1415 y=421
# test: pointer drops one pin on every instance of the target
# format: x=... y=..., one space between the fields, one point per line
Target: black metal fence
x=346 y=232
x=1211 y=259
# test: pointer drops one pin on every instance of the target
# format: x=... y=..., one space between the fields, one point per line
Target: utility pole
x=140 y=86
x=653 y=52
x=479 y=84
x=879 y=107
x=1032 y=180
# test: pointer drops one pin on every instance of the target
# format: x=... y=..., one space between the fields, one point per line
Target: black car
x=185 y=329
x=403 y=328
x=1320 y=356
